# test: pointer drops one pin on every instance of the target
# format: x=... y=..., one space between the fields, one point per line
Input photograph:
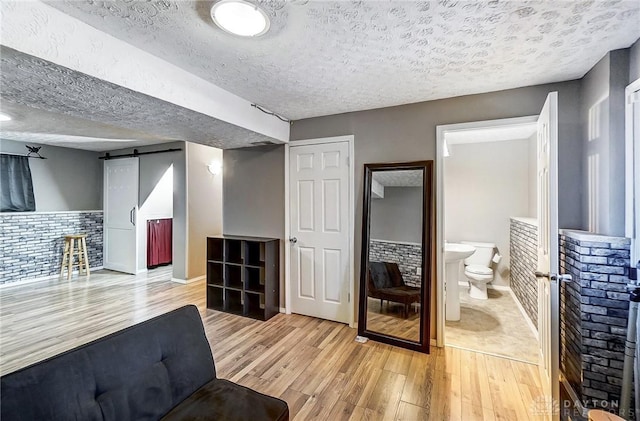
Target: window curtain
x=16 y=185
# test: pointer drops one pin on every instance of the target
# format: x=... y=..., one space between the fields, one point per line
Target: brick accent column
x=593 y=313
x=523 y=249
x=31 y=245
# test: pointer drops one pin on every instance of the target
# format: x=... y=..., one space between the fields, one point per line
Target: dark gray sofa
x=159 y=369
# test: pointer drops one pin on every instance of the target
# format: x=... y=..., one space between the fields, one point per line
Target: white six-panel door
x=548 y=287
x=120 y=214
x=319 y=230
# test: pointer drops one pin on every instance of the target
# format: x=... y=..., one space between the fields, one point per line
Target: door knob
x=554 y=277
x=293 y=240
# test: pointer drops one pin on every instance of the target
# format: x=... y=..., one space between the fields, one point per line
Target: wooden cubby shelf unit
x=243 y=276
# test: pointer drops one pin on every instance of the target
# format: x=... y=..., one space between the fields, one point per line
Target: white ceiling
x=319 y=58
x=73 y=109
x=399 y=178
x=328 y=57
x=43 y=127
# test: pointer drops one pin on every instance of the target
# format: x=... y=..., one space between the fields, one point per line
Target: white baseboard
x=139 y=271
x=43 y=278
x=433 y=342
x=525 y=315
x=283 y=310
x=188 y=281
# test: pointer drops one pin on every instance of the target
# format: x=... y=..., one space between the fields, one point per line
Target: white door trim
x=352 y=211
x=440 y=132
x=631 y=153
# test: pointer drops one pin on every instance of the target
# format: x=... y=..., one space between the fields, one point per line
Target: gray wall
x=254 y=186
x=152 y=167
x=69 y=179
x=634 y=61
x=253 y=195
x=204 y=210
x=397 y=217
x=602 y=124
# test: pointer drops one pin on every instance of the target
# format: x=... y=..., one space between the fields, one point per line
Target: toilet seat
x=478 y=270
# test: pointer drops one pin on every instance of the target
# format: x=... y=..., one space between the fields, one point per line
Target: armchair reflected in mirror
x=396 y=248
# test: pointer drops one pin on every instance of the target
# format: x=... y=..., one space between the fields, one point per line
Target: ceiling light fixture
x=5 y=117
x=239 y=17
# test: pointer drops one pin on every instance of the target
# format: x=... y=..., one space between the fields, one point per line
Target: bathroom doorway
x=489 y=202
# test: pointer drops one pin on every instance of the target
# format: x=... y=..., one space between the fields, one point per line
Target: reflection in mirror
x=394 y=243
x=395 y=253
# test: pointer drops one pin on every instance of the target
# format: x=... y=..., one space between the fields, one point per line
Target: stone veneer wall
x=31 y=245
x=408 y=256
x=523 y=249
x=593 y=313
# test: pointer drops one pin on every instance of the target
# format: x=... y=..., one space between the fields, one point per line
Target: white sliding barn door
x=319 y=230
x=120 y=214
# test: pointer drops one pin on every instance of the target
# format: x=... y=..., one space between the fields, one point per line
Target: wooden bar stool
x=70 y=251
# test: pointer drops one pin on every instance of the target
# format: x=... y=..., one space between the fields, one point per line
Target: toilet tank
x=483 y=254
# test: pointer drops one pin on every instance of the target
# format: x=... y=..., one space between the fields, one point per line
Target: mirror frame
x=428 y=244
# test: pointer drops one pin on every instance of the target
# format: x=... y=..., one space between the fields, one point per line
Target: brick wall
x=31 y=245
x=593 y=313
x=408 y=256
x=523 y=248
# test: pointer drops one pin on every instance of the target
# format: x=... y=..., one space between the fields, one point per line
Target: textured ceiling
x=28 y=82
x=328 y=57
x=39 y=126
x=399 y=178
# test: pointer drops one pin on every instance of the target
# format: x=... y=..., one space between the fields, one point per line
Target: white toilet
x=477 y=269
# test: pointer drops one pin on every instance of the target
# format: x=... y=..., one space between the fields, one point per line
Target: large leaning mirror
x=395 y=281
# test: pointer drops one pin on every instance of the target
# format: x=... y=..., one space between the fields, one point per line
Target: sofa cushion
x=405 y=294
x=139 y=373
x=223 y=400
x=379 y=275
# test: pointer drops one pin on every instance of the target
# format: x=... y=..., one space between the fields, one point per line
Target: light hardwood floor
x=313 y=364
x=389 y=319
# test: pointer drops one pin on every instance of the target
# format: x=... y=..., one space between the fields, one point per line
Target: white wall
x=204 y=205
x=157 y=205
x=484 y=185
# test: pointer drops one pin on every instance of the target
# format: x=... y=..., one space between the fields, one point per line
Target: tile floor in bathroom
x=495 y=326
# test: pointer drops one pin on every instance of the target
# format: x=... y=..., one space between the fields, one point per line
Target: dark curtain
x=16 y=193
x=159 y=241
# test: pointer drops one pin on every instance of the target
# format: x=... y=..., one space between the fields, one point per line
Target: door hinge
x=348 y=297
